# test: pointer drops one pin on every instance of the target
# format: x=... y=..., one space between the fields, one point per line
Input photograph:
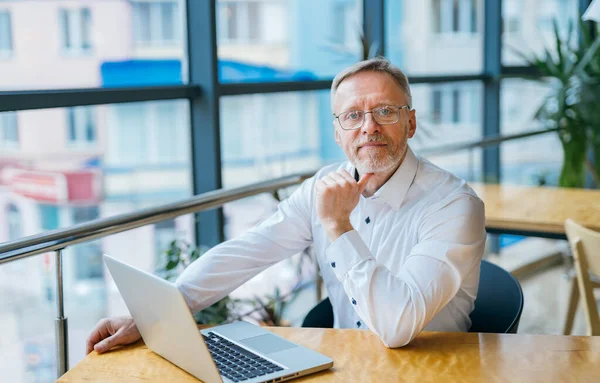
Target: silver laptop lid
x=164 y=320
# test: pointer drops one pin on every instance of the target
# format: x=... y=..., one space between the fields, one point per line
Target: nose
x=370 y=126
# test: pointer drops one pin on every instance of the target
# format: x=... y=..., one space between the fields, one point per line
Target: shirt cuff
x=346 y=252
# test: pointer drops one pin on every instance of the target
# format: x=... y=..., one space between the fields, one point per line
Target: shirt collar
x=396 y=188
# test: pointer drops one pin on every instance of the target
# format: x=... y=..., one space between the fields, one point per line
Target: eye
x=385 y=111
x=352 y=115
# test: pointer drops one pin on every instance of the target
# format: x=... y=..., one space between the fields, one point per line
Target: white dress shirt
x=411 y=263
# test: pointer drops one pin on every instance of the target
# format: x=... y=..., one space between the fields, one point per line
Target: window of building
x=156 y=23
x=512 y=16
x=149 y=133
x=436 y=106
x=9 y=130
x=6 y=43
x=81 y=126
x=252 y=21
x=454 y=104
x=15 y=224
x=455 y=16
x=164 y=233
x=75 y=25
x=88 y=255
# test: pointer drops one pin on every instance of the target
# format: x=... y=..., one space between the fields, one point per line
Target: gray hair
x=377 y=64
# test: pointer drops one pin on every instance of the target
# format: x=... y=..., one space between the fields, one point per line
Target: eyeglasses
x=383 y=115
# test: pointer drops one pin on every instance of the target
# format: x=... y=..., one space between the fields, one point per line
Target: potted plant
x=570 y=108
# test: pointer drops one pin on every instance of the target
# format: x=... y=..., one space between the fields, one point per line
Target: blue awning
x=168 y=72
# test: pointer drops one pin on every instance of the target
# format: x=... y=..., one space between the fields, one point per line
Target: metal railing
x=58 y=240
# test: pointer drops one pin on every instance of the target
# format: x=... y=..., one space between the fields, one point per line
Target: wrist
x=336 y=229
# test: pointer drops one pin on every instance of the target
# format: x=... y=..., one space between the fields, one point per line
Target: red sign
x=58 y=187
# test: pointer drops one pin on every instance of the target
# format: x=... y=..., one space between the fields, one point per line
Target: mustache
x=376 y=138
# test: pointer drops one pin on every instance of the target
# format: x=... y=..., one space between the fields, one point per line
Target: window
x=281 y=40
x=240 y=21
x=455 y=16
x=528 y=160
x=149 y=133
x=164 y=233
x=512 y=11
x=270 y=135
x=5 y=33
x=88 y=255
x=454 y=104
x=15 y=225
x=436 y=107
x=75 y=27
x=437 y=37
x=9 y=132
x=156 y=23
x=81 y=126
x=528 y=26
x=251 y=21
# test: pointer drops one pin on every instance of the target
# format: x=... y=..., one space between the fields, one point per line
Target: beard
x=381 y=160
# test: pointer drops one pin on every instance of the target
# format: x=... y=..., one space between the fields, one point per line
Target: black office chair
x=498 y=306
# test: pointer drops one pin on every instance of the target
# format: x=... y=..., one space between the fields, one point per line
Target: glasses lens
x=352 y=120
x=386 y=115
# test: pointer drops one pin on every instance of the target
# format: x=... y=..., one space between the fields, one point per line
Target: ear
x=337 y=135
x=412 y=123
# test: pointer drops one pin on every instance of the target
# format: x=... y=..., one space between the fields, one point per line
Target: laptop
x=236 y=352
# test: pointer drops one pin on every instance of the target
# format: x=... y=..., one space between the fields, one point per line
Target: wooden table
x=359 y=356
x=537 y=211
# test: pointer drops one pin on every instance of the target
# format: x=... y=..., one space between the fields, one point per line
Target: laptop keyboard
x=237 y=363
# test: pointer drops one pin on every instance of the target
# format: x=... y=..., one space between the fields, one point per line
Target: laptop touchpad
x=267 y=344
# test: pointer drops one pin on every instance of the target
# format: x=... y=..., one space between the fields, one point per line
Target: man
x=399 y=241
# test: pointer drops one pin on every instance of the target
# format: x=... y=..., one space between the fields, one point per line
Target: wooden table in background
x=359 y=356
x=537 y=211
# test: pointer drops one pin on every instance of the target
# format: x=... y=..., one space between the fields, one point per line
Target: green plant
x=268 y=310
x=571 y=107
x=177 y=257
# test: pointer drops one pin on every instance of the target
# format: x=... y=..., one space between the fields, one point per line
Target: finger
x=107 y=343
x=339 y=179
x=327 y=180
x=100 y=332
x=344 y=173
x=320 y=185
x=362 y=184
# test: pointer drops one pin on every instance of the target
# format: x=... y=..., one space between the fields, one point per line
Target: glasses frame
x=365 y=112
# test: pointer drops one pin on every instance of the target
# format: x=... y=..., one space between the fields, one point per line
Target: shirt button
x=358 y=324
x=333 y=264
x=368 y=220
x=353 y=301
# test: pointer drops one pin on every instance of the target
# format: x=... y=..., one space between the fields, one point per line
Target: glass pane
x=287 y=40
x=528 y=161
x=93 y=44
x=435 y=37
x=47 y=184
x=528 y=26
x=449 y=114
x=135 y=147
